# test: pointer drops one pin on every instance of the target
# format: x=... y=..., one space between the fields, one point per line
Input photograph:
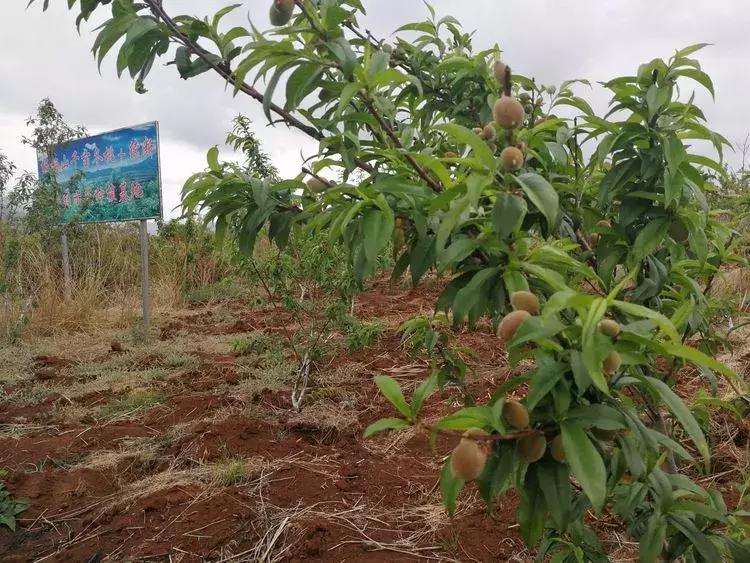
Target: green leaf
x=740 y=552
x=342 y=50
x=554 y=481
x=270 y=87
x=593 y=355
x=498 y=473
x=450 y=487
x=514 y=281
x=542 y=195
x=693 y=507
x=9 y=521
x=652 y=542
x=386 y=424
x=376 y=231
x=467 y=137
x=684 y=416
x=535 y=329
x=532 y=513
x=349 y=91
x=508 y=214
x=700 y=541
x=586 y=463
x=699 y=76
x=300 y=83
x=690 y=49
x=642 y=312
x=421 y=257
x=474 y=294
x=597 y=415
x=468 y=417
x=543 y=380
x=648 y=240
x=213 y=159
x=390 y=389
x=552 y=278
x=697 y=357
x=457 y=251
x=450 y=222
x=422 y=393
x=378 y=63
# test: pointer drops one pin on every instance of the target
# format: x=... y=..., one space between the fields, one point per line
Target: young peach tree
x=587 y=242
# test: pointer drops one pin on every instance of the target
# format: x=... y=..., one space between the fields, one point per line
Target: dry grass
x=733 y=283
x=105 y=267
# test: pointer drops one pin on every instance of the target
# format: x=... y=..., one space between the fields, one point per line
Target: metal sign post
x=67 y=283
x=144 y=275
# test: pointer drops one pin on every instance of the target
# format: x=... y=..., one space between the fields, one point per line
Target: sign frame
x=59 y=187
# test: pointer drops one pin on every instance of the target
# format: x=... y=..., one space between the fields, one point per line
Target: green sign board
x=114 y=176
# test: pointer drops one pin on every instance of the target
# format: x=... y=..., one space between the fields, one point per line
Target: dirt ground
x=175 y=448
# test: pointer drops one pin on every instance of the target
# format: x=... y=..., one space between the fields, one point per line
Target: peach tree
x=586 y=242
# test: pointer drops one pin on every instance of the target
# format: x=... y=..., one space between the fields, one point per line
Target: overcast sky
x=41 y=55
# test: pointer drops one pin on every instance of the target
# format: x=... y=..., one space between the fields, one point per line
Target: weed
x=175 y=359
x=137 y=401
x=39 y=393
x=10 y=507
x=139 y=333
x=739 y=521
x=223 y=290
x=230 y=471
x=362 y=334
x=255 y=343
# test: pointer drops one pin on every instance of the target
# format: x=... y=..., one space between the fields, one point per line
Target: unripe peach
x=468 y=459
x=531 y=448
x=512 y=159
x=678 y=231
x=479 y=131
x=510 y=323
x=508 y=112
x=281 y=12
x=604 y=224
x=451 y=154
x=316 y=185
x=556 y=449
x=609 y=327
x=489 y=132
x=611 y=363
x=516 y=414
x=525 y=301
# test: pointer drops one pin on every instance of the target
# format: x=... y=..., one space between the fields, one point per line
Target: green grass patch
x=134 y=403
